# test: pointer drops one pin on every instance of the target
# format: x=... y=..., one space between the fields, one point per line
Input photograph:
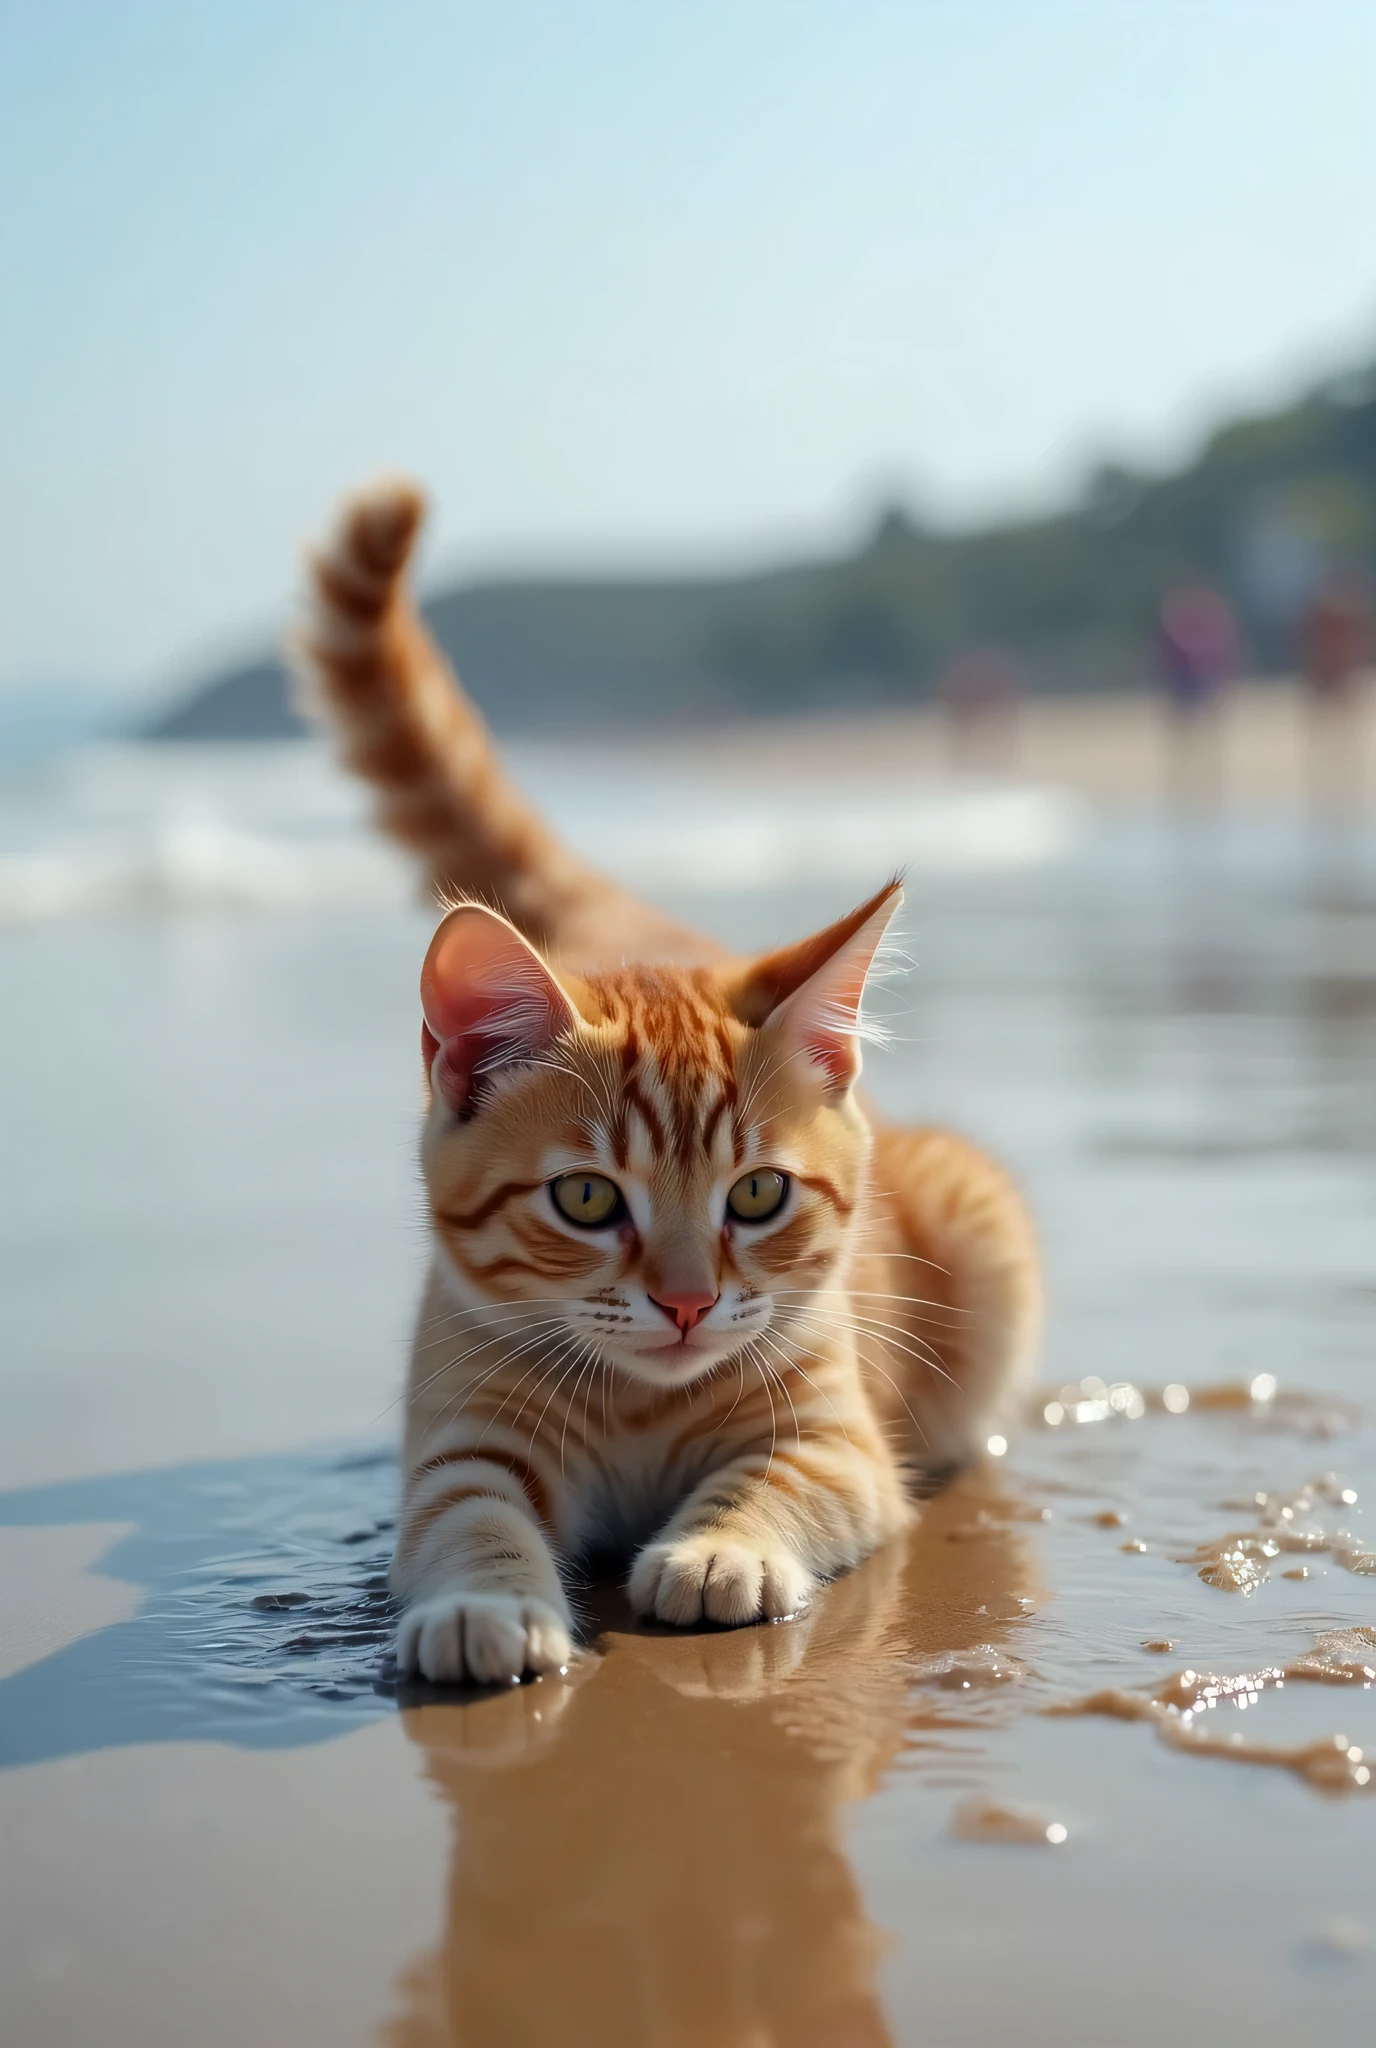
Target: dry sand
x=1268 y=749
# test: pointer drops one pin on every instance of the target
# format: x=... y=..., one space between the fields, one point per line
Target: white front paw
x=458 y=1637
x=712 y=1578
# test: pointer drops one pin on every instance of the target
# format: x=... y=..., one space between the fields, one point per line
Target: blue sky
x=630 y=283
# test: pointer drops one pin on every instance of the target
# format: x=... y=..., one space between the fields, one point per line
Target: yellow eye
x=589 y=1199
x=757 y=1196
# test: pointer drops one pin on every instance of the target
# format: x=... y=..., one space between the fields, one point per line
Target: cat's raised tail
x=371 y=670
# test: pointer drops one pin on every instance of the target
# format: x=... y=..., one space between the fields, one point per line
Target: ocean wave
x=154 y=830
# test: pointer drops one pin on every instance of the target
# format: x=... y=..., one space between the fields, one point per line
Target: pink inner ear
x=829 y=1033
x=832 y=1048
x=488 y=997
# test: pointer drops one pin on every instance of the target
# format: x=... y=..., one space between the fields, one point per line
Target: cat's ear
x=488 y=999
x=811 y=993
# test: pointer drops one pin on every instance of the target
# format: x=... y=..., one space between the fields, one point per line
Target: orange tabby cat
x=687 y=1301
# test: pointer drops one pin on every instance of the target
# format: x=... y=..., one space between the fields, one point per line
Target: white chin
x=667 y=1364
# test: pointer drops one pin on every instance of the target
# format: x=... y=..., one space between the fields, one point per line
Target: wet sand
x=734 y=1837
x=221 y=1824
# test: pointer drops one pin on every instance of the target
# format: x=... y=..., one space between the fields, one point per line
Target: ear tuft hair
x=813 y=992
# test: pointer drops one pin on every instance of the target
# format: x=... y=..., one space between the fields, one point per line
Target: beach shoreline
x=1115 y=750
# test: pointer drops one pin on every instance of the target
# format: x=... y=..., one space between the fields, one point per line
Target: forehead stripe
x=714 y=1117
x=634 y=1097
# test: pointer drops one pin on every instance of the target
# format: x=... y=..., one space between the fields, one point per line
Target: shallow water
x=959 y=1800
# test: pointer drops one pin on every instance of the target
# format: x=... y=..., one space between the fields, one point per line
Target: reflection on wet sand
x=652 y=1850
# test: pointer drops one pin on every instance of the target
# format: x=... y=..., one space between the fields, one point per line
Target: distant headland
x=1266 y=504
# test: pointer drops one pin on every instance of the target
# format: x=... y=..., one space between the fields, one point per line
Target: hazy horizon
x=632 y=291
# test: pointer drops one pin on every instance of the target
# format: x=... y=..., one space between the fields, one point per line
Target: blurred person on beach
x=1197 y=654
x=1336 y=636
x=981 y=693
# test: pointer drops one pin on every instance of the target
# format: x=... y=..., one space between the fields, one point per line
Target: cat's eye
x=757 y=1196
x=588 y=1199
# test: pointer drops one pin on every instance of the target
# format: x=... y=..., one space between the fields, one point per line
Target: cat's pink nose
x=686 y=1306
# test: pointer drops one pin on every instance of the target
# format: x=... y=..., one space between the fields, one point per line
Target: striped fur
x=884 y=1318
